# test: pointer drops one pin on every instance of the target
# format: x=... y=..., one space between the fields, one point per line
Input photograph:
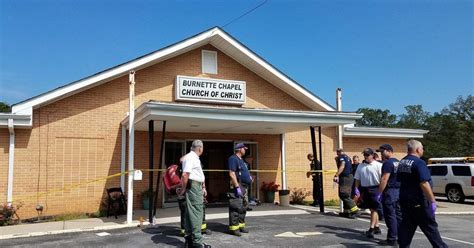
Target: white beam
x=283 y=162
x=11 y=160
x=131 y=143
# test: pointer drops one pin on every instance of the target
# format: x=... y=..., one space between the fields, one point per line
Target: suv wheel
x=454 y=194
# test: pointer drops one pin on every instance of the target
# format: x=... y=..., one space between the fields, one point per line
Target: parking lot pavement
x=446 y=207
x=306 y=230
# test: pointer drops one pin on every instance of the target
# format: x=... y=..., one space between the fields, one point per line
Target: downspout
x=11 y=160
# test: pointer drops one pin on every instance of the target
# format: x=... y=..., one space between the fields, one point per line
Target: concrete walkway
x=171 y=215
x=164 y=216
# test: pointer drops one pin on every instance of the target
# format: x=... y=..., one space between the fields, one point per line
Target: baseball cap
x=368 y=151
x=385 y=147
x=240 y=145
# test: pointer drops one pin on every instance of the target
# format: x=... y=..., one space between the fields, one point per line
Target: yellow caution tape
x=73 y=186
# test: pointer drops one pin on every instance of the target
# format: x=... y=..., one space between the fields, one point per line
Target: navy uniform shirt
x=391 y=166
x=237 y=165
x=347 y=166
x=411 y=172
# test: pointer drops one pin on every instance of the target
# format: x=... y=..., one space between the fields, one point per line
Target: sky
x=383 y=54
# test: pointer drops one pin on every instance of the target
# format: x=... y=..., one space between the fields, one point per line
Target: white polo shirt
x=369 y=174
x=192 y=165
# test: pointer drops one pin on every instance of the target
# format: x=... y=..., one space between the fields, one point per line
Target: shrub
x=272 y=187
x=8 y=214
x=297 y=196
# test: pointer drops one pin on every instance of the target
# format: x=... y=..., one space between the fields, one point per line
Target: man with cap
x=345 y=180
x=368 y=176
x=389 y=190
x=417 y=201
x=193 y=188
x=240 y=179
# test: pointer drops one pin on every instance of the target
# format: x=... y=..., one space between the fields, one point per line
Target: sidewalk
x=164 y=216
x=171 y=215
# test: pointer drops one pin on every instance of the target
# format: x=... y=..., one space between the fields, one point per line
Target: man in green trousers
x=192 y=186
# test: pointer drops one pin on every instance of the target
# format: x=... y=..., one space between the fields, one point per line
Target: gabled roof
x=214 y=36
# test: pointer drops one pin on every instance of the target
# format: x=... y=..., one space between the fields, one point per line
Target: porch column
x=160 y=166
x=320 y=175
x=283 y=162
x=131 y=147
x=11 y=161
x=151 y=132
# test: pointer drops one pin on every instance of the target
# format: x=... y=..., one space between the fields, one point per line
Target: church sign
x=210 y=90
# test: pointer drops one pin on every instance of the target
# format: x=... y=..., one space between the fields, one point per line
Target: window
x=461 y=170
x=209 y=62
x=438 y=170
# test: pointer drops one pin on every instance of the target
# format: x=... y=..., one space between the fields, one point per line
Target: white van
x=453 y=178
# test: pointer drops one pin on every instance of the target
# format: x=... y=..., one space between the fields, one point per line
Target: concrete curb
x=98 y=228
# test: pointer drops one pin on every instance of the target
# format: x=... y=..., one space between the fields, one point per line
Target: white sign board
x=137 y=175
x=210 y=90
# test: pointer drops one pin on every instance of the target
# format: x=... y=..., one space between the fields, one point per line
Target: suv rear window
x=461 y=170
x=438 y=170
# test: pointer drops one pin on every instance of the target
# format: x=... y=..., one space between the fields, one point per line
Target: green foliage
x=415 y=117
x=5 y=108
x=450 y=130
x=376 y=118
x=332 y=202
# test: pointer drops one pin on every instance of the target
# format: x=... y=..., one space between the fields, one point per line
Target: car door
x=439 y=177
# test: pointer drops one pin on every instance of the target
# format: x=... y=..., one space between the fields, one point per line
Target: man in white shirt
x=368 y=176
x=192 y=185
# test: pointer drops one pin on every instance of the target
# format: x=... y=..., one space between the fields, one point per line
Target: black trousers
x=237 y=211
x=418 y=216
x=345 y=188
x=315 y=190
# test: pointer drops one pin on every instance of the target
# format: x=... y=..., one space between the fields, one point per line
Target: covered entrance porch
x=265 y=127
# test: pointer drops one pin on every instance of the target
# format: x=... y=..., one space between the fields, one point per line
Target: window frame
x=214 y=53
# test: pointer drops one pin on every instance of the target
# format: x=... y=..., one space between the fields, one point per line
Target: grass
x=332 y=202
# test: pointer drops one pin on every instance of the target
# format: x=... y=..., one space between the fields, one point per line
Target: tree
x=376 y=118
x=415 y=117
x=451 y=131
x=5 y=108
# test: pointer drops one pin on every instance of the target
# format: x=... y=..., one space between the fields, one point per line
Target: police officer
x=193 y=189
x=345 y=179
x=417 y=201
x=312 y=167
x=389 y=189
x=239 y=180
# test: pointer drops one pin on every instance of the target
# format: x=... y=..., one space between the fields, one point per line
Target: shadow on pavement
x=166 y=235
x=348 y=233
